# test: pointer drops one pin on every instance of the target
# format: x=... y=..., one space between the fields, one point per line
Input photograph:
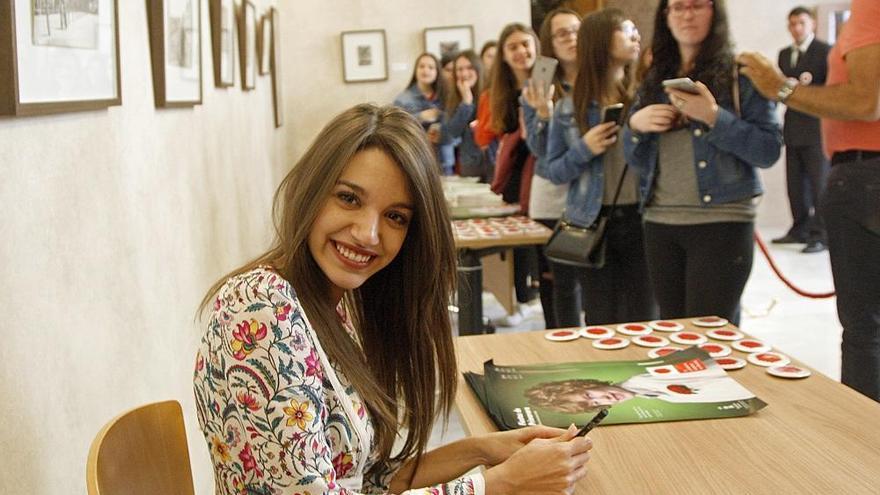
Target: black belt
x=853 y=156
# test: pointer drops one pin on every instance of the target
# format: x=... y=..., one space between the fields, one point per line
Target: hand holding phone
x=593 y=422
x=612 y=113
x=682 y=84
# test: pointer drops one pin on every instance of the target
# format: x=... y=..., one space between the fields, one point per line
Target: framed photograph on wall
x=58 y=57
x=275 y=66
x=264 y=44
x=247 y=44
x=447 y=40
x=223 y=41
x=364 y=56
x=830 y=19
x=175 y=49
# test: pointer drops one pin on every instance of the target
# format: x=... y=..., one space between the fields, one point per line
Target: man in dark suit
x=806 y=167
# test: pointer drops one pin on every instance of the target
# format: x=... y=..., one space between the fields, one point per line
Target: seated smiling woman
x=321 y=351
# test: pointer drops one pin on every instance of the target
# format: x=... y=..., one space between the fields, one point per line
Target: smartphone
x=593 y=422
x=612 y=113
x=543 y=71
x=682 y=84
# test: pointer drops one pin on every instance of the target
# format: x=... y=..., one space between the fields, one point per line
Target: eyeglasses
x=679 y=9
x=629 y=30
x=564 y=33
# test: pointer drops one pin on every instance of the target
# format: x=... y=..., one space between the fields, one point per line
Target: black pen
x=593 y=422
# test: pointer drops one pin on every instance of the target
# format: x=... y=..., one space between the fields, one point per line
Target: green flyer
x=684 y=385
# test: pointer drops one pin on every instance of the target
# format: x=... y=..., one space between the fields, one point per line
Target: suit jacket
x=801 y=129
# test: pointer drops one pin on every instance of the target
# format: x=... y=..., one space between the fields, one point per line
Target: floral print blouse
x=277 y=416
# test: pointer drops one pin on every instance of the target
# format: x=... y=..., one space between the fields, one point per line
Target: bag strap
x=616 y=194
x=736 y=102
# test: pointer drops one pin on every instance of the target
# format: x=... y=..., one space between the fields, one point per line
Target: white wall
x=114 y=223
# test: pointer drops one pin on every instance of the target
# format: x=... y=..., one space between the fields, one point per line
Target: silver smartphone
x=544 y=70
x=682 y=84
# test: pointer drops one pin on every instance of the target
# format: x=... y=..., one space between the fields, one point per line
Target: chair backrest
x=143 y=451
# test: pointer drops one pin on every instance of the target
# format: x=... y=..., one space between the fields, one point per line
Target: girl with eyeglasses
x=585 y=153
x=700 y=153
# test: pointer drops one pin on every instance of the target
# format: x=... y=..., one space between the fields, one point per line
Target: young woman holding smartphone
x=586 y=154
x=700 y=154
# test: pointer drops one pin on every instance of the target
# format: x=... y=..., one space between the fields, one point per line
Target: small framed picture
x=175 y=49
x=223 y=40
x=830 y=19
x=264 y=44
x=447 y=40
x=275 y=67
x=58 y=56
x=247 y=44
x=364 y=56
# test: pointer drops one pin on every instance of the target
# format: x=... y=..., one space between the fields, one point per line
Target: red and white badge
x=650 y=341
x=768 y=359
x=805 y=78
x=731 y=363
x=750 y=346
x=662 y=351
x=709 y=321
x=725 y=334
x=666 y=326
x=688 y=338
x=562 y=335
x=611 y=343
x=634 y=329
x=789 y=371
x=596 y=332
x=716 y=350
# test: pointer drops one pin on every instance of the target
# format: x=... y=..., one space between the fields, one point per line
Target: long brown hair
x=595 y=39
x=400 y=312
x=502 y=81
x=454 y=98
x=545 y=33
x=436 y=86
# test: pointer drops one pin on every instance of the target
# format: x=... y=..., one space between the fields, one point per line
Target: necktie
x=795 y=56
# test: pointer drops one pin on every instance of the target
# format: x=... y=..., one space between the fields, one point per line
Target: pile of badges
x=724 y=340
x=496 y=228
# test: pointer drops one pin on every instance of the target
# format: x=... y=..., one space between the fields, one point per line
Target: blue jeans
x=851 y=208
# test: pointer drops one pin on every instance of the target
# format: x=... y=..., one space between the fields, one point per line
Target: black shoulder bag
x=574 y=245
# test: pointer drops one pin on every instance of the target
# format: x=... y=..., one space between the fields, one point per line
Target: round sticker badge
x=725 y=334
x=716 y=350
x=662 y=351
x=562 y=335
x=666 y=326
x=805 y=78
x=611 y=343
x=596 y=332
x=709 y=321
x=750 y=346
x=788 y=371
x=731 y=363
x=650 y=341
x=768 y=359
x=688 y=338
x=634 y=329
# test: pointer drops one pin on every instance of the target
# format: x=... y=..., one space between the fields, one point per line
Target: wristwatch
x=786 y=90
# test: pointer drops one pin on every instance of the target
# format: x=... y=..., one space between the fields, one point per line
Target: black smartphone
x=612 y=113
x=593 y=422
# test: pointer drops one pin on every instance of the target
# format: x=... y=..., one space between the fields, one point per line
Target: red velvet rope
x=786 y=281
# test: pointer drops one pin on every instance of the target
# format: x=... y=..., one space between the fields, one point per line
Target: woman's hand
x=464 y=89
x=700 y=106
x=497 y=447
x=654 y=118
x=543 y=466
x=429 y=115
x=600 y=137
x=540 y=100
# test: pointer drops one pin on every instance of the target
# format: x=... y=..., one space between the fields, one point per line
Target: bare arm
x=857 y=99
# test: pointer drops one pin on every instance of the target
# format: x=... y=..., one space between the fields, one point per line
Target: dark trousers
x=525 y=273
x=806 y=171
x=699 y=270
x=851 y=207
x=619 y=291
x=547 y=285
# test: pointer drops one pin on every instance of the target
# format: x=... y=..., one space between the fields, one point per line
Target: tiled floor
x=807 y=329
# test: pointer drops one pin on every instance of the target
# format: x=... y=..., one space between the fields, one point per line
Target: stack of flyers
x=683 y=385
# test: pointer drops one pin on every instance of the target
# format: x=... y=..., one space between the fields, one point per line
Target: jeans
x=851 y=208
x=699 y=270
x=619 y=291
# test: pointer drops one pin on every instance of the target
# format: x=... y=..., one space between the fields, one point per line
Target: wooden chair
x=143 y=451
